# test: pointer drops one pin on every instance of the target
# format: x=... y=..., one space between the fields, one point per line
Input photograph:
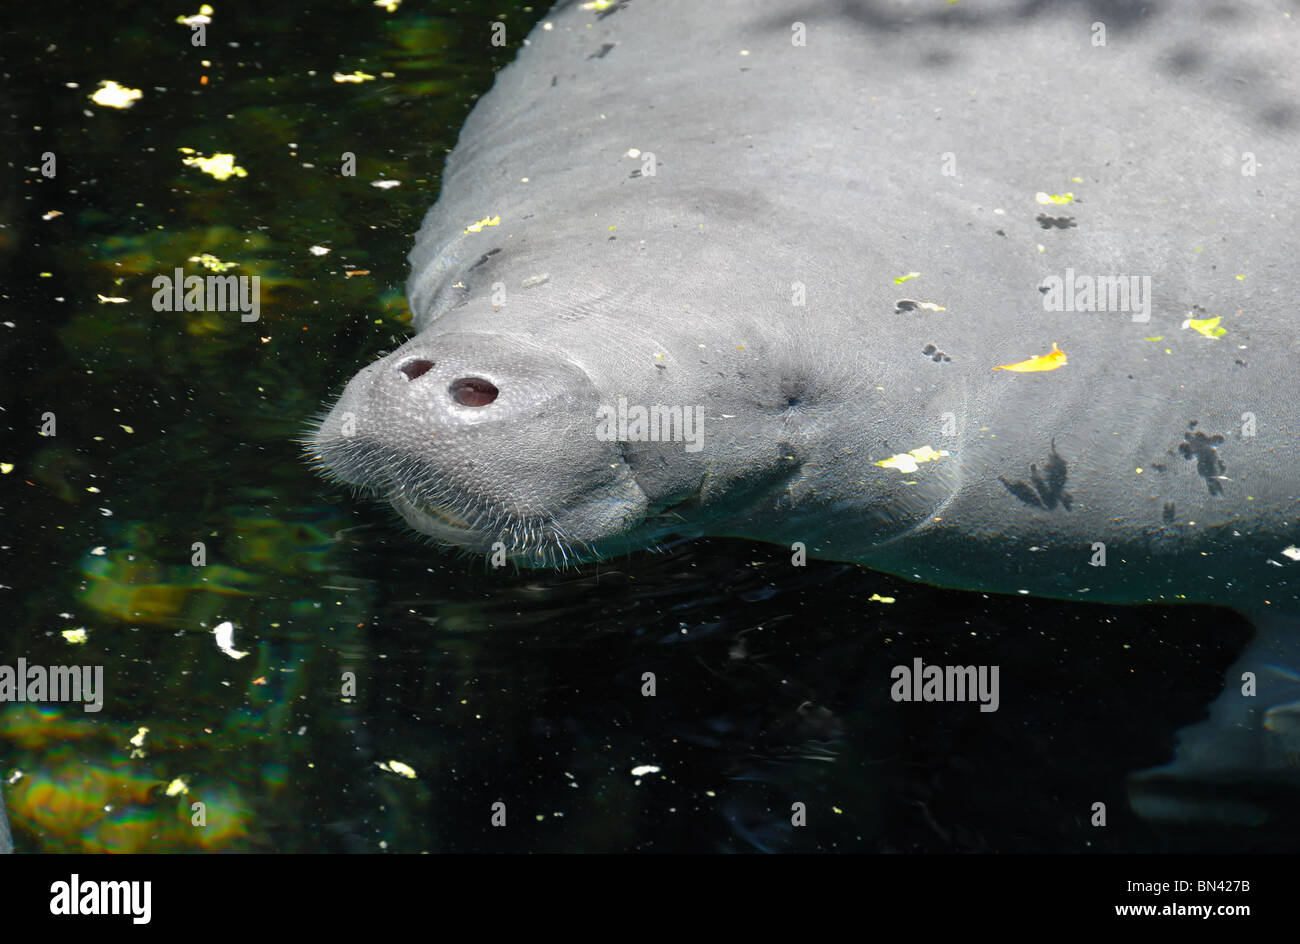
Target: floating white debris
x=225 y=633
x=112 y=95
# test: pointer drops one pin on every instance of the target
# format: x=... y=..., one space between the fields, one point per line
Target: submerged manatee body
x=815 y=233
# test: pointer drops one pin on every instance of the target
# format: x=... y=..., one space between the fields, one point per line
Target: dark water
x=174 y=428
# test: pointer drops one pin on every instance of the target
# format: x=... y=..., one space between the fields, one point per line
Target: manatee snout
x=477 y=439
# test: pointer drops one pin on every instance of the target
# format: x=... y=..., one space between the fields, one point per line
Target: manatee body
x=816 y=232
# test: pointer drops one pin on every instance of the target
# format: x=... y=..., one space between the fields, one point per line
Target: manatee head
x=478 y=438
x=489 y=440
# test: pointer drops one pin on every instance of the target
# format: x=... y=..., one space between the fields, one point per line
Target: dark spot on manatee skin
x=612 y=9
x=794 y=392
x=1168 y=513
x=485 y=257
x=1048 y=487
x=603 y=52
x=905 y=304
x=935 y=354
x=1209 y=466
x=1280 y=115
x=1059 y=222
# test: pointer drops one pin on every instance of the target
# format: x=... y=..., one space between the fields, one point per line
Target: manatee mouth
x=409 y=484
x=451 y=514
x=532 y=540
x=442 y=516
x=447 y=525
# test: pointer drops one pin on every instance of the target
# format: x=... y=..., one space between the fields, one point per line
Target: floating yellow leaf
x=486 y=221
x=904 y=278
x=906 y=462
x=220 y=166
x=1046 y=198
x=1050 y=361
x=137 y=749
x=397 y=767
x=202 y=18
x=877 y=598
x=1209 y=327
x=212 y=263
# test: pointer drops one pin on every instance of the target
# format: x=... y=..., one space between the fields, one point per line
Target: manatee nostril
x=472 y=391
x=416 y=367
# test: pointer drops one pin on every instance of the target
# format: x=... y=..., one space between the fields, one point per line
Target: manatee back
x=993 y=152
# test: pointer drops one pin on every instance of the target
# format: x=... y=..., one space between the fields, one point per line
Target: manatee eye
x=472 y=391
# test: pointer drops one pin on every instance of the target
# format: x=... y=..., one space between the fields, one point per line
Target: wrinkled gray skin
x=830 y=167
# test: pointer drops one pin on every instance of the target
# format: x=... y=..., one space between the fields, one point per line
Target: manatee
x=998 y=299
